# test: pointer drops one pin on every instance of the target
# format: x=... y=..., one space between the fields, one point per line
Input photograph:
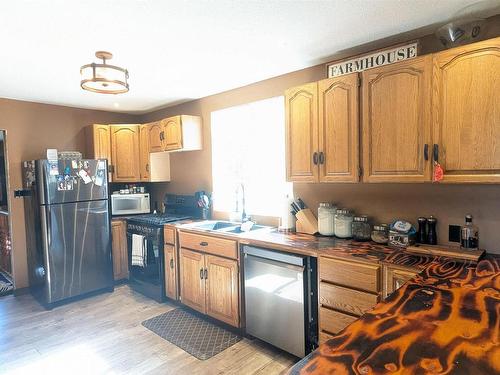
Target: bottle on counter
x=326 y=219
x=431 y=232
x=380 y=234
x=361 y=229
x=422 y=230
x=469 y=235
x=343 y=223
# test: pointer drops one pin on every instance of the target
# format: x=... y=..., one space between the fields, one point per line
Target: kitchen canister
x=326 y=219
x=343 y=223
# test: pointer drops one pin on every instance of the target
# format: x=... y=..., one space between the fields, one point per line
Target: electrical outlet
x=454 y=233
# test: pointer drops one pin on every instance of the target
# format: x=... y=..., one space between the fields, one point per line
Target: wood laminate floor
x=104 y=335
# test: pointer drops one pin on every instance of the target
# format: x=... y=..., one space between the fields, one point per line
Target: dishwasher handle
x=277 y=256
x=275 y=263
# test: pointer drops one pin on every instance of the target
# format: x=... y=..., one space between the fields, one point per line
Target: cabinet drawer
x=323 y=337
x=348 y=300
x=355 y=275
x=333 y=321
x=169 y=236
x=212 y=245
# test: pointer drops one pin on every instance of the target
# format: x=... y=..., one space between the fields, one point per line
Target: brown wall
x=31 y=129
x=191 y=171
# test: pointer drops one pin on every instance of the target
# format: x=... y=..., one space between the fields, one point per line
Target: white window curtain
x=248 y=147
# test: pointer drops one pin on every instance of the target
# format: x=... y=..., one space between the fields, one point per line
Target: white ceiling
x=181 y=50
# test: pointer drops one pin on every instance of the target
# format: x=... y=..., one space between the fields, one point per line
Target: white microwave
x=130 y=204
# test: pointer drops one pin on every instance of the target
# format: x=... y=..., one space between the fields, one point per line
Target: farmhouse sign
x=385 y=57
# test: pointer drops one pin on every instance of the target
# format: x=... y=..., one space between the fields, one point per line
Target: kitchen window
x=248 y=147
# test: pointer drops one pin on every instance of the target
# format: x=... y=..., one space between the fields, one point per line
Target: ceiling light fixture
x=104 y=78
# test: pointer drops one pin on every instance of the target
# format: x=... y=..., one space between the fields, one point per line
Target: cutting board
x=446 y=251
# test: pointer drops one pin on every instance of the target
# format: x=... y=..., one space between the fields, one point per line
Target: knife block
x=306 y=222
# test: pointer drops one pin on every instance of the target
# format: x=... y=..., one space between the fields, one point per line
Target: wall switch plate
x=454 y=233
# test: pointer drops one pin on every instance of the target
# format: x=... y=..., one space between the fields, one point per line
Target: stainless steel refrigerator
x=68 y=228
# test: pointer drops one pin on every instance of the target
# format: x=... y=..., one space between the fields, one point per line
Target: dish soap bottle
x=469 y=235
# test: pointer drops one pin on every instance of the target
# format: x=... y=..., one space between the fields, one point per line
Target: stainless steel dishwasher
x=281 y=299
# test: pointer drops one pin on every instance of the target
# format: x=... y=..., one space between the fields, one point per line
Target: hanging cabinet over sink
x=322 y=131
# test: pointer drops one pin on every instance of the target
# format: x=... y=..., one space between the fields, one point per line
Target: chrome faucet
x=244 y=216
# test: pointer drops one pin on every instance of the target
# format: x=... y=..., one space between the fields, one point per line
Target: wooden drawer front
x=333 y=321
x=208 y=244
x=348 y=300
x=355 y=275
x=323 y=337
x=169 y=236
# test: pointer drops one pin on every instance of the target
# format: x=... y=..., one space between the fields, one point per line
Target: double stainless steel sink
x=225 y=227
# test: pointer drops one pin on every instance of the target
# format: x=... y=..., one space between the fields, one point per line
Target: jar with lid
x=343 y=223
x=361 y=229
x=380 y=233
x=326 y=219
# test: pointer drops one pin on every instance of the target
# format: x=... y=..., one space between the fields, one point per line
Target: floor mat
x=6 y=286
x=194 y=335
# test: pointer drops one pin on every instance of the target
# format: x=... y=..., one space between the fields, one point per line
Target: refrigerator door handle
x=46 y=224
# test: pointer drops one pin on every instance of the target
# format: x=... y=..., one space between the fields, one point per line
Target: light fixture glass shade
x=104 y=78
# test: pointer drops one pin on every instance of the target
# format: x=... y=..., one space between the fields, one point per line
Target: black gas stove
x=156 y=219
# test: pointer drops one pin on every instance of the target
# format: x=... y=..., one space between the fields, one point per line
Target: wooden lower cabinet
x=119 y=249
x=209 y=284
x=395 y=277
x=170 y=272
x=222 y=289
x=192 y=283
x=346 y=291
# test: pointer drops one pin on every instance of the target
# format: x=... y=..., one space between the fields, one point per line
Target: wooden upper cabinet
x=301 y=108
x=171 y=133
x=144 y=164
x=222 y=289
x=98 y=142
x=124 y=152
x=155 y=136
x=397 y=121
x=99 y=145
x=192 y=283
x=339 y=129
x=466 y=112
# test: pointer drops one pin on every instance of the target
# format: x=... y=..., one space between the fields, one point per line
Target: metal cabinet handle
x=426 y=152
x=322 y=157
x=161 y=136
x=201 y=273
x=203 y=243
x=435 y=152
x=147 y=167
x=172 y=263
x=315 y=158
x=206 y=274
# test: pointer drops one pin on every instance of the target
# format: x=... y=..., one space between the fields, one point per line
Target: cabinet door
x=222 y=289
x=192 y=283
x=99 y=144
x=144 y=152
x=339 y=129
x=170 y=272
x=155 y=136
x=395 y=278
x=301 y=108
x=124 y=152
x=172 y=133
x=119 y=249
x=397 y=122
x=466 y=110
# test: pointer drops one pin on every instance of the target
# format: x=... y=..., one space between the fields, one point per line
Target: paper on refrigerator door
x=52 y=160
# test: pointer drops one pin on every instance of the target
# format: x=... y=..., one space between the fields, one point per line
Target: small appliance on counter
x=401 y=234
x=145 y=243
x=130 y=204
